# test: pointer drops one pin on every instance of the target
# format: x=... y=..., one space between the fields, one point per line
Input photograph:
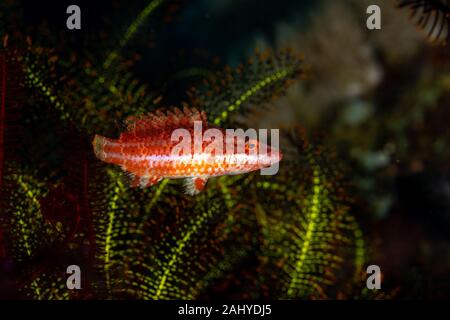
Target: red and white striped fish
x=145 y=151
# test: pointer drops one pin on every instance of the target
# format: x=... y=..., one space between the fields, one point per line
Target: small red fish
x=145 y=150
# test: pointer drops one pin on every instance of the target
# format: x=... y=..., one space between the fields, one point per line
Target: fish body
x=145 y=150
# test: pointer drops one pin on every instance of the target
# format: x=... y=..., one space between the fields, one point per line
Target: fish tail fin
x=99 y=147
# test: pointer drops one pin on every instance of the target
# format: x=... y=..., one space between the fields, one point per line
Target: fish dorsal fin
x=194 y=185
x=159 y=120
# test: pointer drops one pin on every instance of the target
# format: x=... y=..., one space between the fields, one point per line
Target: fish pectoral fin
x=144 y=181
x=194 y=185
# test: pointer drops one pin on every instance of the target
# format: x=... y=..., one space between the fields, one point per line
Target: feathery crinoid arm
x=107 y=82
x=115 y=221
x=95 y=87
x=433 y=16
x=133 y=28
x=260 y=80
x=22 y=213
x=31 y=236
x=310 y=239
x=193 y=247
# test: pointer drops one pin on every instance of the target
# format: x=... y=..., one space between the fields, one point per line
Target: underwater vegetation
x=304 y=233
